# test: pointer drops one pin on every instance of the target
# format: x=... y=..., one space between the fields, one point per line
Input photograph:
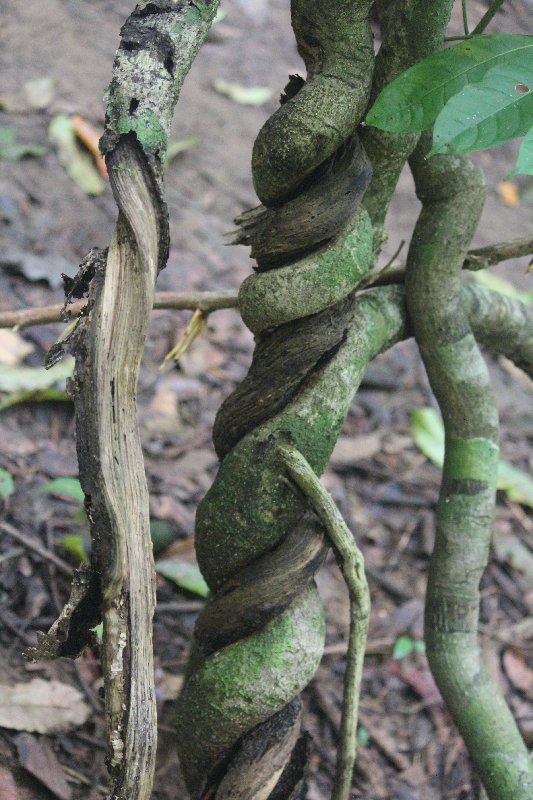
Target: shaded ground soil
x=385 y=488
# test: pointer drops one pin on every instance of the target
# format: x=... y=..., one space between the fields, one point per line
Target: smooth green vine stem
x=351 y=563
x=452 y=193
x=465 y=18
x=487 y=17
x=411 y=30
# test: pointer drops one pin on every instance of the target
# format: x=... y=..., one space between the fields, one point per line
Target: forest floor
x=384 y=486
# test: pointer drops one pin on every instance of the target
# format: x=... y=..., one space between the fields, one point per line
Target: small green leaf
x=35 y=396
x=183 y=574
x=419 y=647
x=508 y=547
x=11 y=150
x=177 y=146
x=428 y=433
x=363 y=736
x=517 y=485
x=244 y=95
x=403 y=646
x=413 y=101
x=34 y=384
x=524 y=163
x=220 y=15
x=75 y=545
x=7 y=486
x=16 y=379
x=99 y=631
x=494 y=110
x=77 y=163
x=70 y=487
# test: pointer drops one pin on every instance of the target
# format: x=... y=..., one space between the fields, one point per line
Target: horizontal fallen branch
x=205 y=301
x=481 y=258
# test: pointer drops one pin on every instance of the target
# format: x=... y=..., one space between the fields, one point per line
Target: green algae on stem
x=452 y=193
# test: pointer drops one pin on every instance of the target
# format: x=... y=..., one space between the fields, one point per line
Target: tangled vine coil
x=259 y=639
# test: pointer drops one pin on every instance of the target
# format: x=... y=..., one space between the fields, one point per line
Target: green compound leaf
x=414 y=100
x=7 y=486
x=493 y=111
x=428 y=433
x=524 y=163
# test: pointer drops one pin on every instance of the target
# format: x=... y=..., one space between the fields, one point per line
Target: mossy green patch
x=147 y=127
x=198 y=12
x=223 y=696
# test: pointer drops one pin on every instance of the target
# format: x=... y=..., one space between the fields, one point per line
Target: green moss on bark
x=244 y=684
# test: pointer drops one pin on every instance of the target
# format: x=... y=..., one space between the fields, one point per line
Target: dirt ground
x=384 y=486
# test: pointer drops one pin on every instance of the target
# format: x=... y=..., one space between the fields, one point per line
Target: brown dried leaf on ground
x=8 y=787
x=41 y=706
x=13 y=348
x=351 y=449
x=37 y=758
x=516 y=669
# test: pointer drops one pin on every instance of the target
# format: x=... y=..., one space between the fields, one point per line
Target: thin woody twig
x=480 y=258
x=205 y=301
x=351 y=563
x=37 y=547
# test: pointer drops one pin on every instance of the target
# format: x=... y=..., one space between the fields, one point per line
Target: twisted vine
x=260 y=638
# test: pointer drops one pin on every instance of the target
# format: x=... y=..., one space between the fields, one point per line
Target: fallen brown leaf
x=8 y=787
x=13 y=348
x=516 y=669
x=38 y=758
x=351 y=449
x=509 y=195
x=41 y=706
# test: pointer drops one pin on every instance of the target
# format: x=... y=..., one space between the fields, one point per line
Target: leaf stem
x=487 y=17
x=465 y=18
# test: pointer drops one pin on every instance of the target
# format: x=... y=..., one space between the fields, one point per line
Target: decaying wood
x=158 y=44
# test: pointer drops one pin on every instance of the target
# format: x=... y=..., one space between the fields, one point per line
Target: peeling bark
x=158 y=44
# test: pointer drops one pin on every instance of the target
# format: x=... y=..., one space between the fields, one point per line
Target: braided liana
x=260 y=637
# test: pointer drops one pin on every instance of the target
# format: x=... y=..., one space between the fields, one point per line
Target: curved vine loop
x=451 y=189
x=260 y=638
